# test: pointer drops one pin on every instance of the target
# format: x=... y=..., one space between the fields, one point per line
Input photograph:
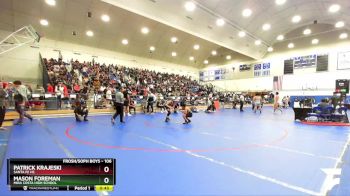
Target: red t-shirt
x=4 y=84
x=50 y=89
x=76 y=88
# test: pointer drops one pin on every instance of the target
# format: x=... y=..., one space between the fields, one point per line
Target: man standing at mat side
x=241 y=102
x=20 y=100
x=276 y=103
x=119 y=104
x=151 y=98
x=3 y=96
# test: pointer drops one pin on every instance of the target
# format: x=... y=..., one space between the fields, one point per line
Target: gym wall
x=316 y=83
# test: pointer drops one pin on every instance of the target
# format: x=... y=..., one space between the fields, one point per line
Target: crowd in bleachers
x=90 y=77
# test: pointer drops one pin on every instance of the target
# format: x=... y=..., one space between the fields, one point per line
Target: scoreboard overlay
x=76 y=174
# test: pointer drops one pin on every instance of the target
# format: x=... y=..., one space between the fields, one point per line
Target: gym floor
x=222 y=153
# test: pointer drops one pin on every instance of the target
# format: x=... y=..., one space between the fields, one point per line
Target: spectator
x=76 y=88
x=39 y=90
x=20 y=99
x=50 y=88
x=61 y=92
x=132 y=106
x=126 y=102
x=109 y=95
x=241 y=102
x=10 y=92
x=324 y=104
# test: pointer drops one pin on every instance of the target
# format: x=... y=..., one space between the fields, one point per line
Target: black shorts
x=126 y=103
x=189 y=115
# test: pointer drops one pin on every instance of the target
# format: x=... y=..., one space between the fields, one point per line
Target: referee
x=3 y=96
x=119 y=105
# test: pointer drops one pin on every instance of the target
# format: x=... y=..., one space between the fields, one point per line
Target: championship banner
x=211 y=75
x=262 y=69
x=343 y=60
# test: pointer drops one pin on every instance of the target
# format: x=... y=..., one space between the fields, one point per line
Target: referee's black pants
x=119 y=110
x=2 y=114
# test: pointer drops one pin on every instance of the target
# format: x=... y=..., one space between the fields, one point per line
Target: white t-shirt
x=59 y=90
x=102 y=88
x=241 y=98
x=109 y=94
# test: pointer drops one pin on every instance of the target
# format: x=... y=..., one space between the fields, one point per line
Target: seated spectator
x=132 y=105
x=39 y=90
x=76 y=88
x=161 y=104
x=324 y=104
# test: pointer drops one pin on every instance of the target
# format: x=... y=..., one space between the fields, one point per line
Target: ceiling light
x=89 y=33
x=280 y=38
x=51 y=2
x=190 y=6
x=290 y=45
x=196 y=47
x=343 y=36
x=296 y=19
x=220 y=22
x=44 y=22
x=307 y=32
x=228 y=57
x=125 y=42
x=314 y=41
x=246 y=12
x=266 y=27
x=280 y=2
x=145 y=30
x=206 y=62
x=173 y=39
x=173 y=54
x=257 y=42
x=269 y=49
x=339 y=24
x=241 y=34
x=191 y=58
x=214 y=53
x=152 y=48
x=334 y=8
x=105 y=18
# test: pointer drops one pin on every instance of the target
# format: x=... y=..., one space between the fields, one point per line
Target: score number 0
x=106 y=170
